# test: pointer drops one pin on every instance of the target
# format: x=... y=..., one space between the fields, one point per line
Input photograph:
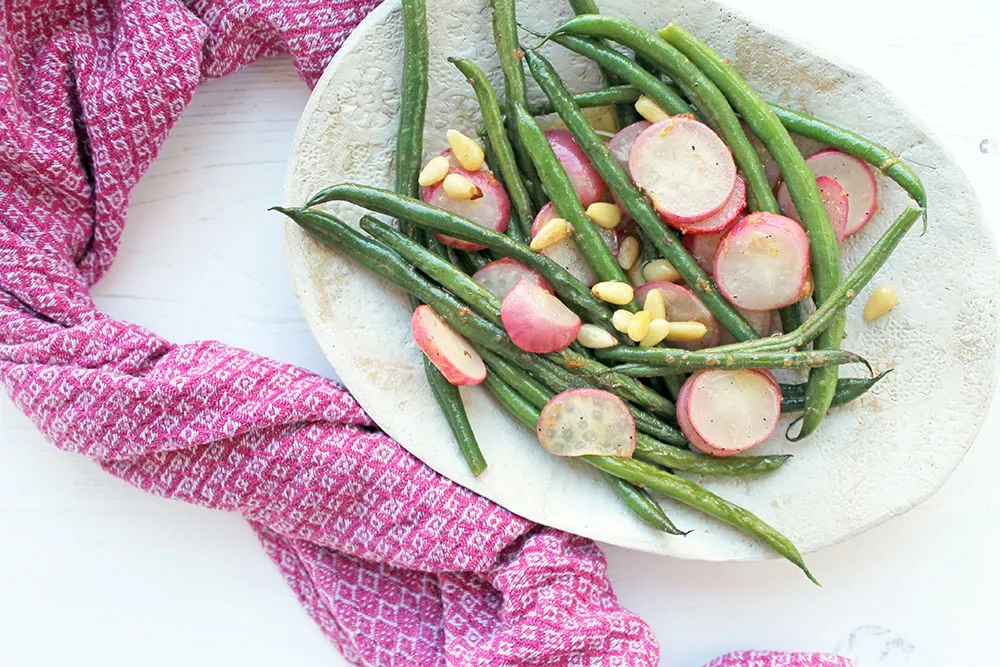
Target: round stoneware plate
x=869 y=462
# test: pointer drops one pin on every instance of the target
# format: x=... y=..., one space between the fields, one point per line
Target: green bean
x=596 y=98
x=508 y=172
x=793 y=396
x=561 y=192
x=658 y=361
x=634 y=201
x=435 y=219
x=642 y=505
x=515 y=91
x=823 y=249
x=515 y=226
x=711 y=103
x=458 y=421
x=696 y=496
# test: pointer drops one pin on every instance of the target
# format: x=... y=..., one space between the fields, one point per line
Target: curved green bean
x=596 y=98
x=626 y=112
x=515 y=226
x=793 y=396
x=642 y=504
x=657 y=361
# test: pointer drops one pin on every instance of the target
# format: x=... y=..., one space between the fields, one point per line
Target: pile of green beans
x=701 y=84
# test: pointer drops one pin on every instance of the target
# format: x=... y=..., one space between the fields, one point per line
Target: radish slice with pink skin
x=621 y=144
x=586 y=181
x=537 y=321
x=857 y=180
x=835 y=201
x=448 y=351
x=499 y=277
x=566 y=254
x=584 y=422
x=762 y=262
x=729 y=213
x=684 y=168
x=683 y=306
x=702 y=247
x=771 y=168
x=728 y=412
x=764 y=322
x=491 y=211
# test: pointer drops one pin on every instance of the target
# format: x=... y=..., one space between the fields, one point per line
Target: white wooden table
x=93 y=572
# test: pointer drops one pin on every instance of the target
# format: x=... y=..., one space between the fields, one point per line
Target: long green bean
x=657 y=361
x=515 y=226
x=634 y=201
x=793 y=396
x=571 y=290
x=595 y=98
x=642 y=504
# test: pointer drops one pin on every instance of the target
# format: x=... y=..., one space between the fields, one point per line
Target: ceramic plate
x=869 y=462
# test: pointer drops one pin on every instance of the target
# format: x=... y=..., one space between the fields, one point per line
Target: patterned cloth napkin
x=398 y=565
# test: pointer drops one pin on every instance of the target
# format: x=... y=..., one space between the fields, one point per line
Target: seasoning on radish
x=857 y=180
x=682 y=305
x=684 y=168
x=727 y=215
x=565 y=253
x=586 y=181
x=835 y=201
x=446 y=348
x=723 y=413
x=499 y=277
x=583 y=422
x=537 y=321
x=491 y=210
x=762 y=262
x=702 y=247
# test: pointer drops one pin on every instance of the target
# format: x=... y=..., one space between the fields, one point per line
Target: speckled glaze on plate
x=869 y=462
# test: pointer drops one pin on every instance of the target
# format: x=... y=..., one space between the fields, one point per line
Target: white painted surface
x=93 y=572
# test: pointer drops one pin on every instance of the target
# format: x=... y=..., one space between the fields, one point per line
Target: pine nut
x=434 y=171
x=657 y=331
x=635 y=276
x=882 y=300
x=660 y=269
x=809 y=287
x=621 y=319
x=457 y=186
x=650 y=110
x=686 y=332
x=628 y=252
x=595 y=337
x=604 y=214
x=655 y=305
x=468 y=153
x=613 y=292
x=551 y=233
x=639 y=326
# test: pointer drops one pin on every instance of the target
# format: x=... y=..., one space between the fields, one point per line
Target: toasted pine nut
x=654 y=304
x=635 y=276
x=468 y=153
x=660 y=269
x=685 y=332
x=613 y=292
x=551 y=233
x=657 y=331
x=650 y=110
x=621 y=319
x=882 y=300
x=604 y=214
x=457 y=186
x=434 y=171
x=628 y=252
x=595 y=337
x=809 y=287
x=639 y=326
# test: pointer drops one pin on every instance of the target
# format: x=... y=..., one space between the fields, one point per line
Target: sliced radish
x=684 y=168
x=728 y=412
x=762 y=262
x=683 y=306
x=771 y=168
x=586 y=181
x=857 y=180
x=621 y=143
x=566 y=254
x=702 y=247
x=726 y=216
x=499 y=277
x=448 y=351
x=491 y=211
x=584 y=422
x=764 y=322
x=835 y=201
x=536 y=320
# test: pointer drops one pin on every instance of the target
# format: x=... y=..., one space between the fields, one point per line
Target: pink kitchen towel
x=397 y=565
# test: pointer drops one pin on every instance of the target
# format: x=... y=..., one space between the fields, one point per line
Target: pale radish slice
x=702 y=247
x=835 y=201
x=764 y=322
x=448 y=351
x=762 y=262
x=728 y=412
x=537 y=321
x=684 y=168
x=621 y=143
x=566 y=254
x=499 y=277
x=586 y=181
x=726 y=216
x=857 y=180
x=491 y=211
x=682 y=305
x=584 y=422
